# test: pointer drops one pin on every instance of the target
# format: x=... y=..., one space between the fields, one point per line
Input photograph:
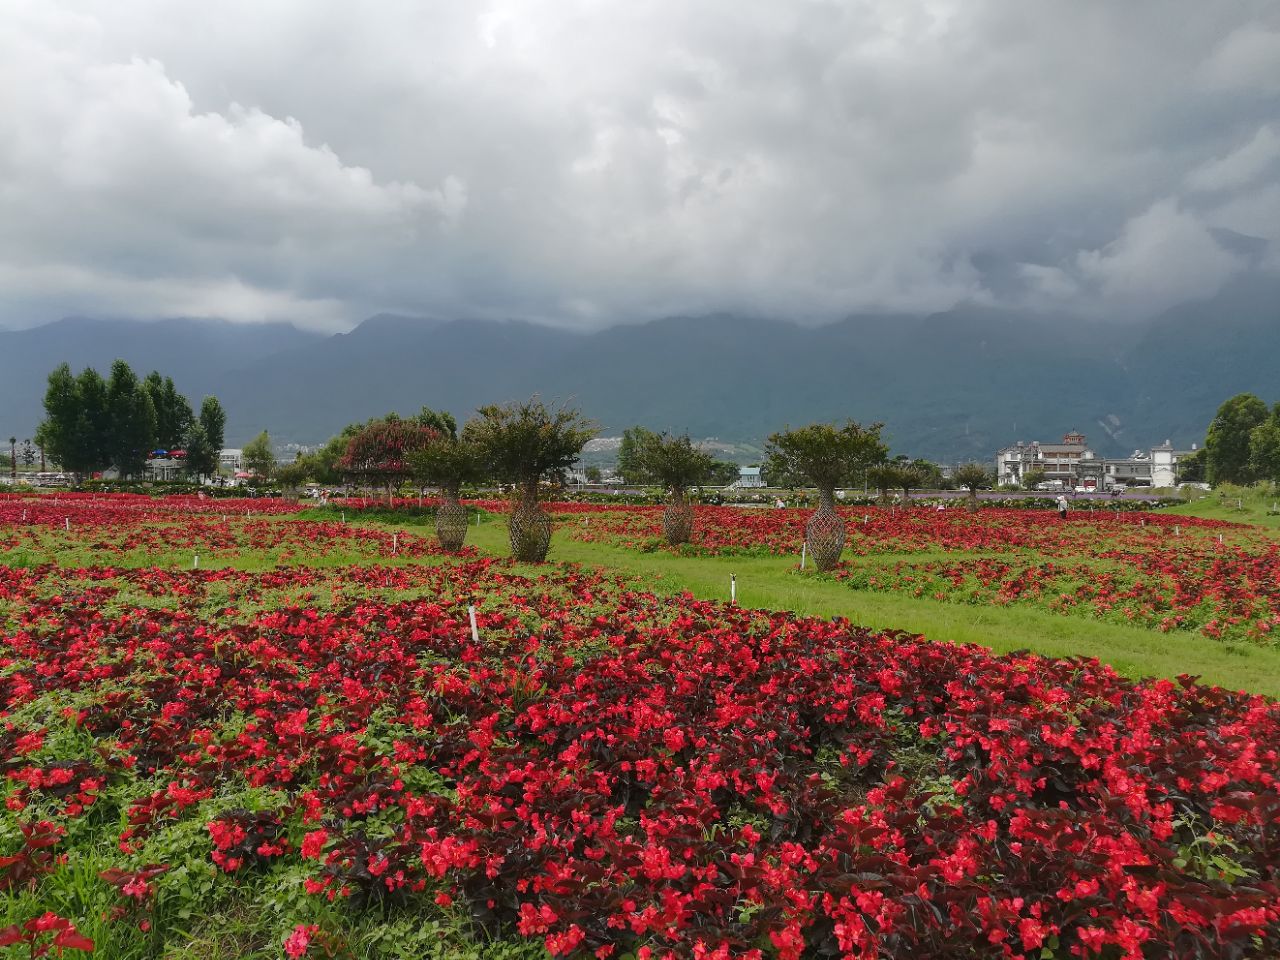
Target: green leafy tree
x=593 y=474
x=93 y=425
x=174 y=417
x=449 y=463
x=523 y=444
x=27 y=454
x=1227 y=453
x=75 y=430
x=630 y=467
x=291 y=476
x=676 y=464
x=204 y=439
x=827 y=456
x=1264 y=448
x=823 y=455
x=1191 y=469
x=259 y=456
x=132 y=417
x=1033 y=478
x=722 y=473
x=973 y=477
x=883 y=477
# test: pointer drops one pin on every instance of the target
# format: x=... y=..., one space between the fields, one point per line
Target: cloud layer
x=586 y=162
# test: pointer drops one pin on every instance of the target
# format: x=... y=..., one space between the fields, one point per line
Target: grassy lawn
x=1251 y=506
x=774 y=583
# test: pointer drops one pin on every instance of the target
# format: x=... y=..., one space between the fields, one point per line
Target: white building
x=1164 y=464
x=1063 y=461
x=231 y=459
x=749 y=477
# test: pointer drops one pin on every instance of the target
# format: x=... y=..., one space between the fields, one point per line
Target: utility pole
x=13 y=457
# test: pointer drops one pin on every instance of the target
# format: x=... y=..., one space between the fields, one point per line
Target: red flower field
x=600 y=771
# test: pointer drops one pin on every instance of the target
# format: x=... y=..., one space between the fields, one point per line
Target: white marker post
x=395 y=543
x=195 y=562
x=344 y=516
x=733 y=588
x=804 y=549
x=66 y=522
x=475 y=632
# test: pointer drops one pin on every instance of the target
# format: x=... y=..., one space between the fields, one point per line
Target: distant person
x=779 y=503
x=1062 y=507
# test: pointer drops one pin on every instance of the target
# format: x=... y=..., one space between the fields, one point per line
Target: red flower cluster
x=187 y=524
x=613 y=772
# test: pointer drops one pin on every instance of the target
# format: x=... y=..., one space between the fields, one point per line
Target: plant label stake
x=1177 y=531
x=804 y=548
x=733 y=588
x=66 y=522
x=195 y=562
x=395 y=542
x=475 y=633
x=344 y=516
x=1220 y=540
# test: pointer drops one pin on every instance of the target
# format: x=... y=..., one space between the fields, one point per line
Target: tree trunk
x=677 y=518
x=825 y=531
x=529 y=527
x=451 y=521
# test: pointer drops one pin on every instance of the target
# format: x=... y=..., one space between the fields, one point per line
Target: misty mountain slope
x=952 y=385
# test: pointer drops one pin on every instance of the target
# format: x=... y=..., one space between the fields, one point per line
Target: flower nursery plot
x=308 y=761
x=132 y=530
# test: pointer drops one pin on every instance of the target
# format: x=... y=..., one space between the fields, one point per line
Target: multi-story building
x=1058 y=461
x=1073 y=464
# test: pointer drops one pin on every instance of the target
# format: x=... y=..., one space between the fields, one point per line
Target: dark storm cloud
x=589 y=162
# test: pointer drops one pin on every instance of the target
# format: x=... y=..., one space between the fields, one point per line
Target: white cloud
x=1240 y=167
x=590 y=161
x=1163 y=256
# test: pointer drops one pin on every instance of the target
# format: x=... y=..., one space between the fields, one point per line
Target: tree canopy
x=259 y=456
x=973 y=477
x=1227 y=453
x=525 y=442
x=673 y=462
x=824 y=455
x=91 y=424
x=447 y=462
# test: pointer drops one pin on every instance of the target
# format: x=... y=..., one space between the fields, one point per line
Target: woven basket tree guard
x=677 y=520
x=824 y=533
x=530 y=531
x=451 y=523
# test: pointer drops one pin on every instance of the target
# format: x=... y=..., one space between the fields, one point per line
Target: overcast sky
x=586 y=163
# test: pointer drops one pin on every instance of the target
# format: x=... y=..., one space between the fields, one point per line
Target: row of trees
x=92 y=424
x=1243 y=442
x=526 y=444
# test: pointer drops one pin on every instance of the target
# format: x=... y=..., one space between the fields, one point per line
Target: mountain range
x=951 y=386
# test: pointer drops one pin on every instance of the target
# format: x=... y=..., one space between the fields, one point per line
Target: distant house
x=1064 y=462
x=1073 y=464
x=1164 y=464
x=231 y=459
x=749 y=477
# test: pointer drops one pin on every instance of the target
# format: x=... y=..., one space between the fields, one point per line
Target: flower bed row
x=608 y=772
